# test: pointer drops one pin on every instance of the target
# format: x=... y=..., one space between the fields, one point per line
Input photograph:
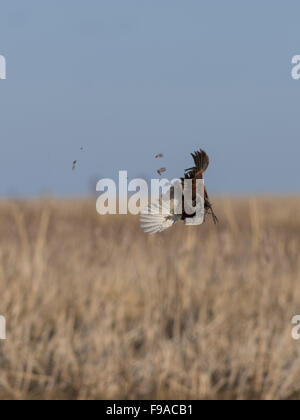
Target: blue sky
x=127 y=79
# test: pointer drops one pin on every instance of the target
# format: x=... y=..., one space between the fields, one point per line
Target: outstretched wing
x=201 y=160
x=157 y=218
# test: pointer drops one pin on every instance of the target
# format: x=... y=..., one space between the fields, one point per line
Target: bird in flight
x=158 y=217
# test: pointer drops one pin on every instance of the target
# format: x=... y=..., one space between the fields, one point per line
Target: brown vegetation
x=97 y=309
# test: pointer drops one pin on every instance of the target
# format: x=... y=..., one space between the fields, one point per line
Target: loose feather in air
x=161 y=171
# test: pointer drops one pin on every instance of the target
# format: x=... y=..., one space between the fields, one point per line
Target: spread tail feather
x=201 y=160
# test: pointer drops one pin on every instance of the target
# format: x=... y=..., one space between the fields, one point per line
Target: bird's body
x=195 y=173
x=158 y=218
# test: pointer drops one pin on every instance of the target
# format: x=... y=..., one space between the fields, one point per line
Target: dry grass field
x=96 y=309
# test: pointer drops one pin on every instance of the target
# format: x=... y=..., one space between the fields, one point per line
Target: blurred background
x=128 y=79
x=95 y=308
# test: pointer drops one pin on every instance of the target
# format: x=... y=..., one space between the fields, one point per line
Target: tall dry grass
x=97 y=309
